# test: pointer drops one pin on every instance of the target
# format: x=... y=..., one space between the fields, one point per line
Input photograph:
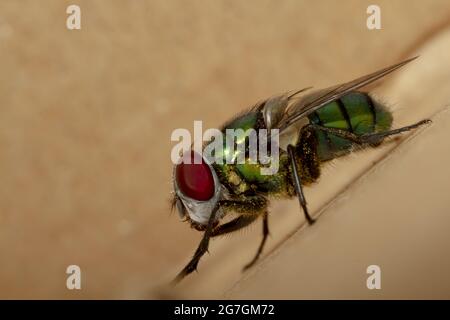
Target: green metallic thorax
x=356 y=112
x=247 y=177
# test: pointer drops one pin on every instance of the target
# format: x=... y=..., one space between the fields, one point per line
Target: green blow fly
x=313 y=126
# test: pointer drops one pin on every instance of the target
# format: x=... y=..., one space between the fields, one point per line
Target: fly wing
x=274 y=108
x=302 y=106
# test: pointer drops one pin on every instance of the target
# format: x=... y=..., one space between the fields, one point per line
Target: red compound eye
x=195 y=180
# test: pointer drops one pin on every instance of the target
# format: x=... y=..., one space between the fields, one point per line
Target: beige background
x=85 y=124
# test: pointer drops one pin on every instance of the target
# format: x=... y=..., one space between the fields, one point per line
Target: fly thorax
x=236 y=182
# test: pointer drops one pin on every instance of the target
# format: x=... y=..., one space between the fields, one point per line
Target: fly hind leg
x=305 y=165
x=371 y=138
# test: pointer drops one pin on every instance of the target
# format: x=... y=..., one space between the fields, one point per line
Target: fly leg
x=252 y=206
x=298 y=184
x=241 y=222
x=234 y=225
x=202 y=248
x=305 y=165
x=251 y=209
x=263 y=242
x=371 y=138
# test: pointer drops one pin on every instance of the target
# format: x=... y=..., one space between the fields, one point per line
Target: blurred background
x=86 y=117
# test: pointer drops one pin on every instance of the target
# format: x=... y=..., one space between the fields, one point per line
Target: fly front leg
x=201 y=250
x=251 y=206
x=371 y=138
x=234 y=225
x=247 y=204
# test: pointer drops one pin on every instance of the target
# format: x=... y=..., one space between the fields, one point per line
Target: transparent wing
x=275 y=108
x=300 y=107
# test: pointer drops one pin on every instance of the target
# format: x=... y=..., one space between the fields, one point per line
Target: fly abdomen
x=355 y=112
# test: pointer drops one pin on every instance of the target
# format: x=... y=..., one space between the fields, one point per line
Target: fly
x=314 y=127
